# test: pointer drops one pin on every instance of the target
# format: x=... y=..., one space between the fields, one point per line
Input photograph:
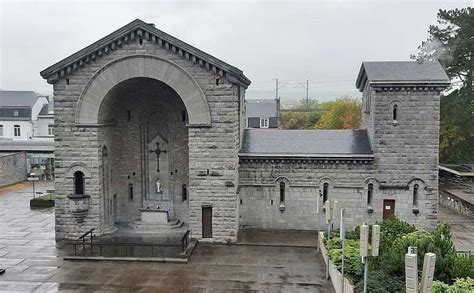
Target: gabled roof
x=261 y=108
x=306 y=143
x=140 y=29
x=401 y=72
x=18 y=98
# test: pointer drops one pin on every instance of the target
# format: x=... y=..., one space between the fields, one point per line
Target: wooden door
x=388 y=208
x=206 y=222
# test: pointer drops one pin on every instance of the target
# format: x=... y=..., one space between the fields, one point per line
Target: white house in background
x=19 y=112
x=261 y=113
x=27 y=125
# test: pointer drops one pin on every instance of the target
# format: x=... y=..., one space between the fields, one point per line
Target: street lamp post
x=33 y=178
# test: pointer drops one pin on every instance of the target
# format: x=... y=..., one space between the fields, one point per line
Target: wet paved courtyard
x=461 y=228
x=34 y=262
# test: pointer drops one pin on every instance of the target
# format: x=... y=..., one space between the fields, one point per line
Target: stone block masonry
x=12 y=168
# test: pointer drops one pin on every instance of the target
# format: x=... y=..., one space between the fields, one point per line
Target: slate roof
x=401 y=72
x=18 y=98
x=136 y=29
x=28 y=145
x=306 y=143
x=48 y=109
x=261 y=108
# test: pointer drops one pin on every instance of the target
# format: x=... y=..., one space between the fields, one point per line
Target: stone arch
x=73 y=168
x=148 y=66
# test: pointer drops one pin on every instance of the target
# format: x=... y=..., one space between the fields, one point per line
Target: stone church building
x=150 y=131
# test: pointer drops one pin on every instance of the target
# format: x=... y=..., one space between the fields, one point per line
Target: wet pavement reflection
x=34 y=261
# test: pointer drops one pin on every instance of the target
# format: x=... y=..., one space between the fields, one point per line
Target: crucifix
x=158 y=151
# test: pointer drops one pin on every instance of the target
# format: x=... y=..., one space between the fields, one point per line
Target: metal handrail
x=83 y=238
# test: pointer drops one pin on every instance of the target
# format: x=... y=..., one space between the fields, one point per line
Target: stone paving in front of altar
x=33 y=261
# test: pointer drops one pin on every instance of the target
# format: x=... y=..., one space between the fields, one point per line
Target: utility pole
x=307 y=94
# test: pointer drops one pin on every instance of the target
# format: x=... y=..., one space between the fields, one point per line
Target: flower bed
x=386 y=272
x=335 y=275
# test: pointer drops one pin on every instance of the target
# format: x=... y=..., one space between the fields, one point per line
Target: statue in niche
x=158 y=186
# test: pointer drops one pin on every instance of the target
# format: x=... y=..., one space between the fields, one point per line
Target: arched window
x=184 y=192
x=325 y=192
x=394 y=112
x=415 y=194
x=282 y=192
x=79 y=182
x=370 y=193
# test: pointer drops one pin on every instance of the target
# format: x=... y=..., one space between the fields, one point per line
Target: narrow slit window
x=184 y=192
x=415 y=194
x=325 y=192
x=282 y=192
x=370 y=193
x=395 y=112
x=129 y=115
x=141 y=41
x=79 y=182
x=130 y=192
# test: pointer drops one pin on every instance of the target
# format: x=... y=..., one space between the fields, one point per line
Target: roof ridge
x=141 y=29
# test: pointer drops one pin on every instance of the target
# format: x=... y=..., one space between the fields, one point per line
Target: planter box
x=41 y=203
x=335 y=275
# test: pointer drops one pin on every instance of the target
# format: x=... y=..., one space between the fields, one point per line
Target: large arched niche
x=148 y=66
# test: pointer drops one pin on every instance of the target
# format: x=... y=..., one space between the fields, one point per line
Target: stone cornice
x=139 y=29
x=408 y=86
x=361 y=160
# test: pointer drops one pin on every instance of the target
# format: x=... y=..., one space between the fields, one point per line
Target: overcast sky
x=323 y=41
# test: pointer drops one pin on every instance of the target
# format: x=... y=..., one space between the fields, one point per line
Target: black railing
x=83 y=238
x=125 y=249
x=185 y=241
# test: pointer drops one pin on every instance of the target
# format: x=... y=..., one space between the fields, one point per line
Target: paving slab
x=34 y=261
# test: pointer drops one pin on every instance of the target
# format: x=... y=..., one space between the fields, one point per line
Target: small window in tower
x=282 y=192
x=184 y=192
x=141 y=41
x=130 y=192
x=415 y=194
x=394 y=113
x=325 y=192
x=129 y=115
x=370 y=193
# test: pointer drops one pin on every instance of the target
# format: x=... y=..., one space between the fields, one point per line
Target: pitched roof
x=306 y=143
x=261 y=108
x=48 y=109
x=18 y=98
x=147 y=31
x=401 y=72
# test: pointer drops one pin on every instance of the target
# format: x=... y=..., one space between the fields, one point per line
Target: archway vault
x=148 y=66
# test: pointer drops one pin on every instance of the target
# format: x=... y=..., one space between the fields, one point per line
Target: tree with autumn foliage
x=343 y=113
x=451 y=42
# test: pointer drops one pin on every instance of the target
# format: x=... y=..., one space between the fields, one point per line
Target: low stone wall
x=335 y=275
x=451 y=201
x=12 y=168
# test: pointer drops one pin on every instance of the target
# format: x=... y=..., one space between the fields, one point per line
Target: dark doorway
x=206 y=222
x=388 y=208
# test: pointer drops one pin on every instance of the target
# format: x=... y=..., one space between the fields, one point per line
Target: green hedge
x=387 y=271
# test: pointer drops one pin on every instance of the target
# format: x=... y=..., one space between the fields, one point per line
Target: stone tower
x=401 y=105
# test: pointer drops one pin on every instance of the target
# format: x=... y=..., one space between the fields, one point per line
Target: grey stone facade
x=12 y=168
x=116 y=99
x=213 y=129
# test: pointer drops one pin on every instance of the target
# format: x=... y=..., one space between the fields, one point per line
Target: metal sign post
x=317 y=216
x=342 y=235
x=364 y=245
